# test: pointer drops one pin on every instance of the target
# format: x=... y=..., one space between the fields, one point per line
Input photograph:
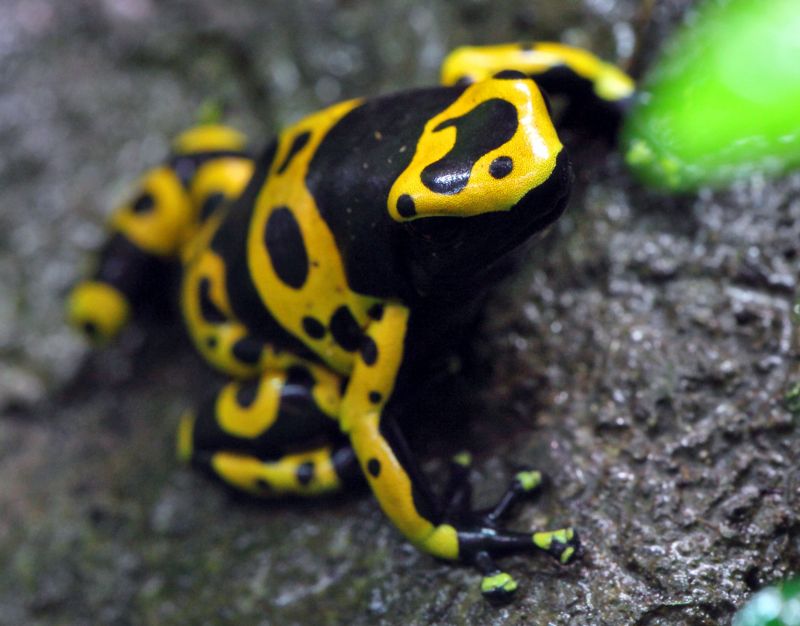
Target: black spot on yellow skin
x=405 y=206
x=369 y=351
x=262 y=485
x=501 y=167
x=143 y=204
x=248 y=350
x=211 y=204
x=313 y=328
x=208 y=309
x=375 y=397
x=376 y=312
x=287 y=251
x=374 y=467
x=483 y=129
x=345 y=329
x=211 y=342
x=298 y=144
x=228 y=242
x=305 y=472
x=246 y=394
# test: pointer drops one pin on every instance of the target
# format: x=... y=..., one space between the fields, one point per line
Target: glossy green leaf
x=724 y=99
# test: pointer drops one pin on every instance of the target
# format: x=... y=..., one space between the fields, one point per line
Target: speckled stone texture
x=640 y=357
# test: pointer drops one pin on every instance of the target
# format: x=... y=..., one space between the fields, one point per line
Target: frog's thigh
x=244 y=434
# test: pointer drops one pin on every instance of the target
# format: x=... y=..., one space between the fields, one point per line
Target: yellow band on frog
x=207 y=138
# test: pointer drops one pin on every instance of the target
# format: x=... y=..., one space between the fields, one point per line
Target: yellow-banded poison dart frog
x=324 y=275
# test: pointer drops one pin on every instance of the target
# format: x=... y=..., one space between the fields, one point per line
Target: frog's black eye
x=143 y=203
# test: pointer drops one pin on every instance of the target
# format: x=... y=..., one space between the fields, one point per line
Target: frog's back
x=309 y=249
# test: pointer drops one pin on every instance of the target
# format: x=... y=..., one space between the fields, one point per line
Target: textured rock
x=641 y=356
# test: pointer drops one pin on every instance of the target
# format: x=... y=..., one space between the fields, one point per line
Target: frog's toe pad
x=528 y=480
x=462 y=459
x=498 y=587
x=562 y=544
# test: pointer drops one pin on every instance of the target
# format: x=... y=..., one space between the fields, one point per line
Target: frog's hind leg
x=315 y=472
x=272 y=435
x=136 y=265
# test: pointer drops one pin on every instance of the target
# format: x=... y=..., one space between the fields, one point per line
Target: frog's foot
x=526 y=484
x=481 y=537
x=458 y=492
x=496 y=585
x=480 y=545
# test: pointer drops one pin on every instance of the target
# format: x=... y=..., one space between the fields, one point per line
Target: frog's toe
x=563 y=544
x=525 y=483
x=498 y=587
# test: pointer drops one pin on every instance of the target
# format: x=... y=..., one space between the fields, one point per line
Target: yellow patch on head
x=482 y=154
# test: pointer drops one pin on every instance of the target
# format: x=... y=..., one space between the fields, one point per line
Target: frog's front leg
x=446 y=532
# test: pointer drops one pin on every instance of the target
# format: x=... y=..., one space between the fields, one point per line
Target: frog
x=323 y=277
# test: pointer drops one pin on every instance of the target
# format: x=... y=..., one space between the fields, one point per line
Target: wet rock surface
x=641 y=356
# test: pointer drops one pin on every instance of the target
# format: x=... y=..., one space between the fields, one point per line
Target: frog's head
x=489 y=173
